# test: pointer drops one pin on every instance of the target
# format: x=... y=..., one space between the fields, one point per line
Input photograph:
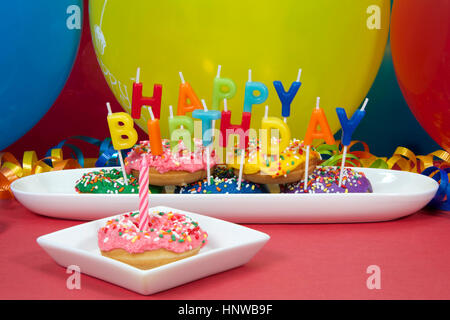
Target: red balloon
x=420 y=42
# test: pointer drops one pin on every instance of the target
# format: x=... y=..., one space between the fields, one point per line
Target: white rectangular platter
x=395 y=194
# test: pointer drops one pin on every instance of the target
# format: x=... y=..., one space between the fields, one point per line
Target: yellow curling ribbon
x=402 y=159
x=11 y=169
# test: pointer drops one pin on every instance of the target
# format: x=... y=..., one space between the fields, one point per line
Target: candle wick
x=171 y=111
x=266 y=113
x=225 y=105
x=152 y=116
x=365 y=104
x=299 y=74
x=317 y=102
x=138 y=73
x=204 y=105
x=249 y=75
x=181 y=77
x=218 y=71
x=108 y=106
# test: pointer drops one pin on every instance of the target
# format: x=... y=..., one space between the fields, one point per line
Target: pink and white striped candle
x=143 y=193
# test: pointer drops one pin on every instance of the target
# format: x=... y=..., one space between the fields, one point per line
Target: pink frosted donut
x=171 y=168
x=170 y=236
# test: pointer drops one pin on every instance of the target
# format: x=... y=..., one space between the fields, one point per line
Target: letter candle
x=138 y=101
x=154 y=133
x=318 y=118
x=219 y=93
x=287 y=97
x=177 y=130
x=242 y=150
x=249 y=96
x=123 y=134
x=348 y=127
x=226 y=128
x=274 y=123
x=207 y=117
x=187 y=93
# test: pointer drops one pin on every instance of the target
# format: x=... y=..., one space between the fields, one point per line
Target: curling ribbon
x=11 y=169
x=441 y=200
x=402 y=159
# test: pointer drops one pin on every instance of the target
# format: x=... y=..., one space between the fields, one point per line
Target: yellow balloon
x=338 y=45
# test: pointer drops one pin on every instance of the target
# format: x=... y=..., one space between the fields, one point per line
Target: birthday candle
x=287 y=97
x=138 y=101
x=348 y=127
x=181 y=127
x=187 y=99
x=143 y=193
x=226 y=128
x=274 y=123
x=123 y=134
x=249 y=96
x=154 y=133
x=207 y=117
x=223 y=88
x=318 y=118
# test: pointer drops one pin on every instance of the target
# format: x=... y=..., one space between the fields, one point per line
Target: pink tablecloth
x=327 y=261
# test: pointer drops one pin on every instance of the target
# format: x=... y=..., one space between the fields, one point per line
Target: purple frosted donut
x=326 y=180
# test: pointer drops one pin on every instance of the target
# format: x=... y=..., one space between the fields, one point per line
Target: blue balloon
x=40 y=40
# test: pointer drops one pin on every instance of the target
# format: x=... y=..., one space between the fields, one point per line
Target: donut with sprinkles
x=170 y=236
x=224 y=181
x=326 y=180
x=109 y=181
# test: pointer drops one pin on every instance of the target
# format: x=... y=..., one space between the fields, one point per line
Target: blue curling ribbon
x=108 y=155
x=110 y=158
x=441 y=200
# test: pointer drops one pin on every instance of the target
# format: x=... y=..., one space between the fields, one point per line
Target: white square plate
x=229 y=245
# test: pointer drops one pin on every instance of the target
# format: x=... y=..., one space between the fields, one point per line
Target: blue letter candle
x=250 y=99
x=349 y=126
x=286 y=97
x=207 y=117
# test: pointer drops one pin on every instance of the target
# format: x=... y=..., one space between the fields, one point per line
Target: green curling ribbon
x=337 y=158
x=379 y=164
x=327 y=149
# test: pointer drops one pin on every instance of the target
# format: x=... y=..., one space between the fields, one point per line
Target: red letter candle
x=226 y=128
x=138 y=101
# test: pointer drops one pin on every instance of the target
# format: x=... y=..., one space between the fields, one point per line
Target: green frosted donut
x=109 y=181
